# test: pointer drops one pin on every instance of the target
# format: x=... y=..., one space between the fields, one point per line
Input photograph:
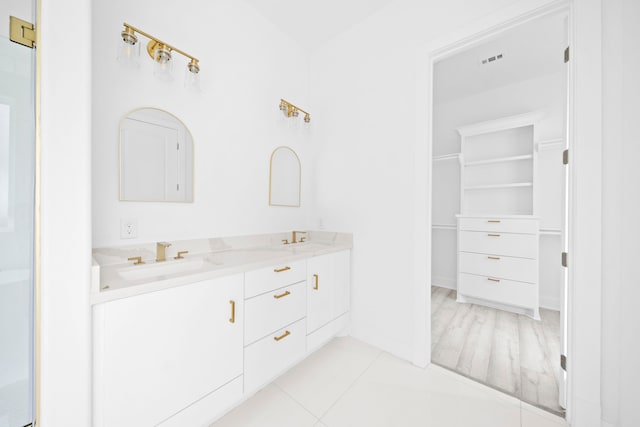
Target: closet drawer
x=505 y=225
x=269 y=357
x=501 y=267
x=497 y=243
x=257 y=282
x=509 y=292
x=272 y=310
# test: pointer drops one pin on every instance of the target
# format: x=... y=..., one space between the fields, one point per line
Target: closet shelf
x=453 y=156
x=550 y=232
x=443 y=227
x=489 y=187
x=499 y=160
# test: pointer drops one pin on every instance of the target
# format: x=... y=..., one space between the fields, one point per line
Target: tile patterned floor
x=507 y=351
x=350 y=384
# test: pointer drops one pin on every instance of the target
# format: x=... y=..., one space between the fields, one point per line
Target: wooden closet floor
x=507 y=351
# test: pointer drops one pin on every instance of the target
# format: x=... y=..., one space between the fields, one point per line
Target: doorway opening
x=499 y=216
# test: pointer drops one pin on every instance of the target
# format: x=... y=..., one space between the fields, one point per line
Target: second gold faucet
x=160 y=251
x=295 y=236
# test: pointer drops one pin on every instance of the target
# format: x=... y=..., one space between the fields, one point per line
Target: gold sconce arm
x=156 y=42
x=293 y=110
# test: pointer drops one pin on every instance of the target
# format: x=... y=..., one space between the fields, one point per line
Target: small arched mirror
x=284 y=178
x=156 y=157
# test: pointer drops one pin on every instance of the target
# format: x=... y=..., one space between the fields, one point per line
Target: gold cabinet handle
x=494 y=257
x=233 y=311
x=286 y=334
x=491 y=279
x=493 y=235
x=179 y=256
x=282 y=295
x=285 y=241
x=315 y=285
x=497 y=221
x=137 y=259
x=280 y=270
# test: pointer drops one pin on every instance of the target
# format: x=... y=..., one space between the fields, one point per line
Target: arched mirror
x=156 y=157
x=284 y=178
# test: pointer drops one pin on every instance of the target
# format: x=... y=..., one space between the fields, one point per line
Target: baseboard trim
x=444 y=282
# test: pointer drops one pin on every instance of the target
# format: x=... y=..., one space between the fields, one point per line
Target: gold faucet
x=160 y=251
x=295 y=235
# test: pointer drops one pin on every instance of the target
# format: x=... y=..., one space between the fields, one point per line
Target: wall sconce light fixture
x=291 y=110
x=159 y=51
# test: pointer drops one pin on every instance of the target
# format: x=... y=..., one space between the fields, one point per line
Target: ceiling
x=530 y=50
x=314 y=22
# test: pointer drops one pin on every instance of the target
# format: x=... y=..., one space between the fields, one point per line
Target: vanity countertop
x=114 y=277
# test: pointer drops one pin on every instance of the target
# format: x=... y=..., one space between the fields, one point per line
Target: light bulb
x=192 y=76
x=129 y=49
x=163 y=63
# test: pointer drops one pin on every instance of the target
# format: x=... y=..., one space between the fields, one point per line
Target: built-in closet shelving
x=497 y=225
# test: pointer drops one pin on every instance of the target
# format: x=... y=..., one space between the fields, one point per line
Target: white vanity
x=179 y=343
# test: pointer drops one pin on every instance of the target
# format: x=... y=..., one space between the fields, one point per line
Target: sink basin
x=307 y=247
x=147 y=271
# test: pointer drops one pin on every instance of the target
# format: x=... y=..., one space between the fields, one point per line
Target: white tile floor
x=350 y=384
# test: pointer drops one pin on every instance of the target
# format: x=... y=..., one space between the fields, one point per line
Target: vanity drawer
x=257 y=282
x=272 y=310
x=524 y=226
x=501 y=267
x=269 y=357
x=497 y=243
x=509 y=292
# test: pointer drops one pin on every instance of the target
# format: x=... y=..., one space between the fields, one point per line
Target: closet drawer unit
x=267 y=358
x=504 y=225
x=257 y=282
x=501 y=267
x=273 y=310
x=509 y=292
x=498 y=243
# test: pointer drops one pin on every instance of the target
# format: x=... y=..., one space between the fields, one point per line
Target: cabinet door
x=164 y=350
x=327 y=288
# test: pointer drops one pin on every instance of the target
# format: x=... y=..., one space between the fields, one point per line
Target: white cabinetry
x=160 y=352
x=497 y=229
x=328 y=278
x=275 y=322
x=498 y=262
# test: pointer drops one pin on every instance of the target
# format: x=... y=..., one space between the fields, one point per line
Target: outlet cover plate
x=128 y=228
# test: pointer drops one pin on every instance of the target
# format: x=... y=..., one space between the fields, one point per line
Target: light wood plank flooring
x=507 y=351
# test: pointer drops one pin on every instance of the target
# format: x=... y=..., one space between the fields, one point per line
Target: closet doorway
x=499 y=220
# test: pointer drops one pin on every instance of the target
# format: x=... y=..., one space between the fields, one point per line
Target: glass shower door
x=17 y=207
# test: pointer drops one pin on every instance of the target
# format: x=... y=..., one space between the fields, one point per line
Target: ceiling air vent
x=491 y=59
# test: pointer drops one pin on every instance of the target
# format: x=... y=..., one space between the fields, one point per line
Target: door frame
x=584 y=124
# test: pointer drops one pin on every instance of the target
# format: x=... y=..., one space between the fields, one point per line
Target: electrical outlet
x=128 y=228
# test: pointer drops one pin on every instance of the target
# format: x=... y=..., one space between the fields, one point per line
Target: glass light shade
x=192 y=80
x=129 y=52
x=162 y=64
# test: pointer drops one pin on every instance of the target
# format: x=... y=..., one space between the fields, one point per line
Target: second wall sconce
x=292 y=111
x=160 y=52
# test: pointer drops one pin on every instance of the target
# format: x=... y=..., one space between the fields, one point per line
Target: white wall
x=621 y=210
x=247 y=65
x=364 y=91
x=544 y=93
x=65 y=129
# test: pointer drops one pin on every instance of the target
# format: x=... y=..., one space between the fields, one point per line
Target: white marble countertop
x=114 y=277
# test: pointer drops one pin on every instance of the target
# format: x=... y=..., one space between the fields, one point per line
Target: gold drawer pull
x=497 y=221
x=282 y=295
x=286 y=334
x=491 y=279
x=315 y=285
x=493 y=235
x=233 y=311
x=494 y=257
x=280 y=270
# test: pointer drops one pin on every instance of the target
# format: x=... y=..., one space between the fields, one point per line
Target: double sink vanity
x=179 y=342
